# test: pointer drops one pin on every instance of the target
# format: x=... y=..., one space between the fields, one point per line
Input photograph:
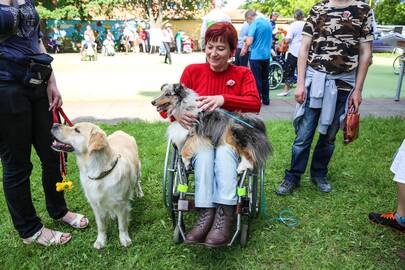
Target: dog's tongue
x=59 y=146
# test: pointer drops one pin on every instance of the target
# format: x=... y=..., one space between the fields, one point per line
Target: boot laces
x=220 y=220
x=202 y=218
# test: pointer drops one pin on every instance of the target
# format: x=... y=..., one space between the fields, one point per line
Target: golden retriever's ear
x=97 y=141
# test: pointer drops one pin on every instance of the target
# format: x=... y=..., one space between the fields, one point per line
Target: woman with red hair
x=219 y=85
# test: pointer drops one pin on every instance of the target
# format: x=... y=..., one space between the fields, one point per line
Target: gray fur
x=213 y=125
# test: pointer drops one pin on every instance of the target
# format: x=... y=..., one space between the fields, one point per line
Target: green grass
x=334 y=231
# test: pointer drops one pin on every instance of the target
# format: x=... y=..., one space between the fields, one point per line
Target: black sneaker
x=286 y=187
x=387 y=219
x=322 y=184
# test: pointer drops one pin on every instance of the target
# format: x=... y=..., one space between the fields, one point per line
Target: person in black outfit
x=26 y=107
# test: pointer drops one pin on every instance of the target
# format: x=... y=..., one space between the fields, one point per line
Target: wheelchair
x=276 y=72
x=179 y=199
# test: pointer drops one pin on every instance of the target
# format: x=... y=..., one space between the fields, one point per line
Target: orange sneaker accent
x=388 y=215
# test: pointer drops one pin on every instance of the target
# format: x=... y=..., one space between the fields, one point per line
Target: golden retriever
x=110 y=171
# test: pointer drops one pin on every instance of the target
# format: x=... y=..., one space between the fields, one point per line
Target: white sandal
x=75 y=223
x=54 y=240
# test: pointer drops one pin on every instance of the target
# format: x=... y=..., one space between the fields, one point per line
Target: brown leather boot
x=221 y=228
x=202 y=226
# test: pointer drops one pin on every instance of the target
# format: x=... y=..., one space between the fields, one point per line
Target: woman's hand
x=355 y=100
x=187 y=119
x=210 y=103
x=54 y=97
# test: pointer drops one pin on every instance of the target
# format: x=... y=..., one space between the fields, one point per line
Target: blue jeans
x=260 y=70
x=215 y=177
x=324 y=148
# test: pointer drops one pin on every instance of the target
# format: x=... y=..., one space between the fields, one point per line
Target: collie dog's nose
x=153 y=102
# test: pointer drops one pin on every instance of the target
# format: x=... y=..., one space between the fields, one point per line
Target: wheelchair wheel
x=168 y=177
x=255 y=186
x=275 y=75
x=244 y=235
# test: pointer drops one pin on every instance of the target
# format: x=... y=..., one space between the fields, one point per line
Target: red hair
x=223 y=31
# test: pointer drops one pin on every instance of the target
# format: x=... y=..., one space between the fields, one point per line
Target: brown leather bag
x=351 y=127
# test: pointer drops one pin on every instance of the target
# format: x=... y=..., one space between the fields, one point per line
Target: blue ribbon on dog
x=234 y=117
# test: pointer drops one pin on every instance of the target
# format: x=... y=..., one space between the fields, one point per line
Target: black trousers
x=290 y=66
x=25 y=122
x=241 y=60
x=167 y=55
x=260 y=70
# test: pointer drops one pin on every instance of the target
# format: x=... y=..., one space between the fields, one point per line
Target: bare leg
x=401 y=199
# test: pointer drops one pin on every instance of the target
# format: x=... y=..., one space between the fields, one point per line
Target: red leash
x=64 y=184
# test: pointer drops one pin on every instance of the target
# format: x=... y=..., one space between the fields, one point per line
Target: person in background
x=179 y=41
x=293 y=39
x=89 y=39
x=395 y=220
x=167 y=34
x=259 y=41
x=331 y=74
x=26 y=120
x=242 y=60
x=215 y=15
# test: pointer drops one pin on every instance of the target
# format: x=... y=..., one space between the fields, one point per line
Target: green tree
x=390 y=12
x=284 y=7
x=76 y=9
x=156 y=10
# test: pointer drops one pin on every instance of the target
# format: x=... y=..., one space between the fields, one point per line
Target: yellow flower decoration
x=64 y=184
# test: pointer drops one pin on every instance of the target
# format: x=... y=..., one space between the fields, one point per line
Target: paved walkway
x=121 y=87
x=113 y=112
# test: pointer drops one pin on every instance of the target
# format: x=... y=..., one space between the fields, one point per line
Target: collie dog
x=244 y=132
x=110 y=172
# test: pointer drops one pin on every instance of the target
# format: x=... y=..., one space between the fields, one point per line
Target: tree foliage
x=284 y=7
x=154 y=10
x=390 y=12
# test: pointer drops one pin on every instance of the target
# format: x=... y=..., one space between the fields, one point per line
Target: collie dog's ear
x=179 y=90
x=97 y=141
x=163 y=86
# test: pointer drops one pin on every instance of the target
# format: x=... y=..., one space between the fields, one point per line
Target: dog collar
x=105 y=173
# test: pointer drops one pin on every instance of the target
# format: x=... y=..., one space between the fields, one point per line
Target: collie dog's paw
x=125 y=240
x=187 y=163
x=243 y=166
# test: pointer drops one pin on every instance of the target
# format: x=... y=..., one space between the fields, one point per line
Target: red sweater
x=236 y=84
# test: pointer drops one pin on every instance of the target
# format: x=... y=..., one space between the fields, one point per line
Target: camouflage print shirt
x=337 y=31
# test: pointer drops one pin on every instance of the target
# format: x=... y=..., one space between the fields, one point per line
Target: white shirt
x=398 y=166
x=214 y=16
x=295 y=35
